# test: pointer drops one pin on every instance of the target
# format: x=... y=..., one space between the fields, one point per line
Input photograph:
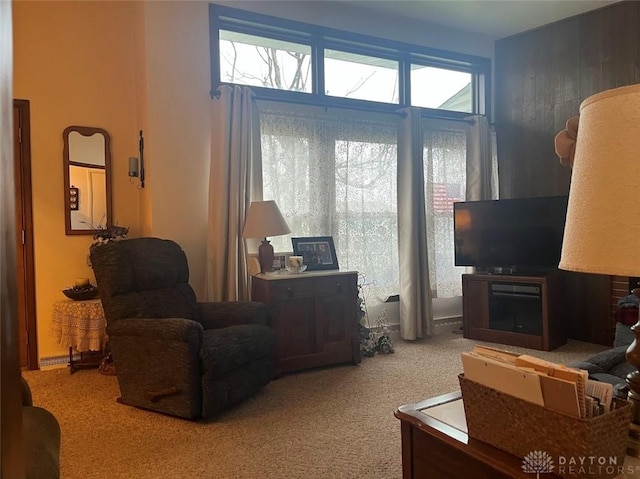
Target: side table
x=314 y=315
x=80 y=325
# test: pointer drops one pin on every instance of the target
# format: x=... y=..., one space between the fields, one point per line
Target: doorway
x=26 y=307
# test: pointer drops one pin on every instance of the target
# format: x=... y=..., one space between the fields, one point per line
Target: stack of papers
x=555 y=386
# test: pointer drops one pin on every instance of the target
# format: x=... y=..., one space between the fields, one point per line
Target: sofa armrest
x=170 y=329
x=609 y=366
x=27 y=398
x=230 y=313
x=41 y=433
x=609 y=359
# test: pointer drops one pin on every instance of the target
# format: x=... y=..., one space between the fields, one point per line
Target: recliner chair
x=172 y=354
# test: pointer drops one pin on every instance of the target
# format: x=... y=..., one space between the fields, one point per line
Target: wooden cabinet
x=517 y=310
x=314 y=315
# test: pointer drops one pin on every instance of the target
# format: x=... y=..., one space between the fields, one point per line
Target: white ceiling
x=494 y=18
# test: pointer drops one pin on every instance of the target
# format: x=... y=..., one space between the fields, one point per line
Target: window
x=259 y=61
x=350 y=75
x=442 y=89
x=335 y=174
x=294 y=61
x=332 y=169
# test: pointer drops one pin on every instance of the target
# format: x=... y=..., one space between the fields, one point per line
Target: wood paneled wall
x=541 y=77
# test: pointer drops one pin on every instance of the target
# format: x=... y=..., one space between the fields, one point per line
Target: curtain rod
x=429 y=116
x=392 y=109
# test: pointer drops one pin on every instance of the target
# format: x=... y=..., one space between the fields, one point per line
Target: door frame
x=25 y=248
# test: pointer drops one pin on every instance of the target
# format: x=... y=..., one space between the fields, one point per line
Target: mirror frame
x=86 y=131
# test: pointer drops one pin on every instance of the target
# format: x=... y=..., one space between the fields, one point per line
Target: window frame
x=319 y=38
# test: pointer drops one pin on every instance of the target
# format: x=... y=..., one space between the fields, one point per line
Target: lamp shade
x=602 y=230
x=264 y=219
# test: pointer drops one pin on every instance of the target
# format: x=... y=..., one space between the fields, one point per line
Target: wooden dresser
x=314 y=315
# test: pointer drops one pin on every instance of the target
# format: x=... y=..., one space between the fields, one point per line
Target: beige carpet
x=330 y=423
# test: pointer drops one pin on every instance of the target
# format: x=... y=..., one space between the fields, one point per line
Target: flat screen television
x=516 y=235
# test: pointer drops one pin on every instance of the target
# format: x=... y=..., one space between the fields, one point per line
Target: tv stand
x=516 y=310
x=515 y=271
x=511 y=270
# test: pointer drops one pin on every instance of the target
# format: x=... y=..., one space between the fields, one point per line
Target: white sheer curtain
x=416 y=314
x=234 y=181
x=334 y=173
x=444 y=157
x=365 y=180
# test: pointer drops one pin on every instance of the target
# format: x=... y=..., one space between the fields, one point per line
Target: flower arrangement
x=104 y=234
x=373 y=339
x=110 y=233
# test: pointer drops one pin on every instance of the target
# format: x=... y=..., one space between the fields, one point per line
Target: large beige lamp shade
x=264 y=219
x=602 y=230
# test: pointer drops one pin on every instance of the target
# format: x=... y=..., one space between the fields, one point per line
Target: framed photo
x=278 y=262
x=318 y=252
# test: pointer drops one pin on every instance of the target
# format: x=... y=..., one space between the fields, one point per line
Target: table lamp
x=602 y=230
x=264 y=219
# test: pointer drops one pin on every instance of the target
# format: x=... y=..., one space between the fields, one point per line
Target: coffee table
x=435 y=445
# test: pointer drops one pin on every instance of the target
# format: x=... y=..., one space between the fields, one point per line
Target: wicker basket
x=523 y=428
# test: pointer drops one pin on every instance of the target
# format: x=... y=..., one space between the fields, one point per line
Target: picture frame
x=319 y=252
x=279 y=262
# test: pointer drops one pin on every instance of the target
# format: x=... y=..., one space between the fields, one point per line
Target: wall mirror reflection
x=87 y=180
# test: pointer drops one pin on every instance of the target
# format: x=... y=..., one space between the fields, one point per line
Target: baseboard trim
x=54 y=362
x=441 y=325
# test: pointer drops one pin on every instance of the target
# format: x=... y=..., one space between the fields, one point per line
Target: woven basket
x=520 y=427
x=81 y=295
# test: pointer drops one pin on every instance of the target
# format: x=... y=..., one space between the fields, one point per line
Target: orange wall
x=75 y=62
x=179 y=116
x=126 y=66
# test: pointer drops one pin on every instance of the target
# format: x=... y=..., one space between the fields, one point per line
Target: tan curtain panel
x=235 y=172
x=416 y=315
x=482 y=167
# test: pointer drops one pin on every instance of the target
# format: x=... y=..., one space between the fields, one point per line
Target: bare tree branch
x=359 y=84
x=235 y=61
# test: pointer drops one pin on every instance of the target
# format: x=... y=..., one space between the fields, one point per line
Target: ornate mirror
x=87 y=180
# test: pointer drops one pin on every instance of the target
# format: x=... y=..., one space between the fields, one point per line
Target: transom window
x=363 y=77
x=265 y=62
x=441 y=89
x=283 y=59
